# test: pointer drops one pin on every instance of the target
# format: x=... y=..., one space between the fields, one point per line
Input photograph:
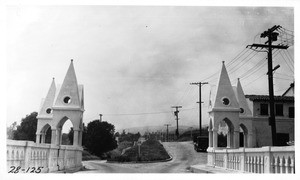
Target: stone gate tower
x=224 y=107
x=62 y=103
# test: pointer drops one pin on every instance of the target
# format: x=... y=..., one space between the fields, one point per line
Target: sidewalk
x=203 y=168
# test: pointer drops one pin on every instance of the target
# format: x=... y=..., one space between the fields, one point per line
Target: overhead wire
x=254 y=80
x=264 y=74
x=282 y=78
x=256 y=68
x=286 y=29
x=232 y=61
x=286 y=62
x=145 y=113
x=284 y=75
x=238 y=64
x=231 y=70
x=236 y=57
x=288 y=58
x=186 y=92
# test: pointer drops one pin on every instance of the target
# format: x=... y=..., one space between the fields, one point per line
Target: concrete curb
x=171 y=157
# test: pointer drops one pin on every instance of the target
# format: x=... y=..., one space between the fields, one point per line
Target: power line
x=190 y=97
x=237 y=56
x=136 y=114
x=284 y=75
x=292 y=60
x=289 y=58
x=255 y=80
x=231 y=71
x=186 y=91
x=232 y=61
x=256 y=67
x=286 y=29
x=285 y=32
x=146 y=113
x=283 y=78
x=286 y=62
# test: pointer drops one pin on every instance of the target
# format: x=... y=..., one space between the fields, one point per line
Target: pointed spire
x=225 y=97
x=239 y=88
x=242 y=100
x=46 y=107
x=68 y=94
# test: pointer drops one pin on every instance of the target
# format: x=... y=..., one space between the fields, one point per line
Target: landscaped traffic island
x=149 y=151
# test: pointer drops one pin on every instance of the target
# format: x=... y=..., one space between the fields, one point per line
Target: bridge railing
x=28 y=157
x=254 y=160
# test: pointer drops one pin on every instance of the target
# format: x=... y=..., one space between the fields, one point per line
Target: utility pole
x=191 y=132
x=176 y=114
x=167 y=131
x=200 y=102
x=100 y=117
x=272 y=36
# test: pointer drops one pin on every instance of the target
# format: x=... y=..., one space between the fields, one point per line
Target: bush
x=88 y=156
x=116 y=153
x=151 y=150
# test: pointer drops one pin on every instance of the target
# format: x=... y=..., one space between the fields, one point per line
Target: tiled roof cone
x=47 y=103
x=225 y=97
x=68 y=95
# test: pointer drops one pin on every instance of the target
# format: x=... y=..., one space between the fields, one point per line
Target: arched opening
x=222 y=134
x=48 y=136
x=225 y=133
x=65 y=132
x=243 y=136
x=45 y=134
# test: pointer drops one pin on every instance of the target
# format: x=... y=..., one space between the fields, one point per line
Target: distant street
x=183 y=154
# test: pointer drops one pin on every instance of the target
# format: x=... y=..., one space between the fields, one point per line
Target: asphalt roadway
x=183 y=154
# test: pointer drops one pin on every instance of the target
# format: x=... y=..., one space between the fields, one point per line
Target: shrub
x=151 y=150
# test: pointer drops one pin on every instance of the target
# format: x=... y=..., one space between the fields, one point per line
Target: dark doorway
x=241 y=139
x=48 y=136
x=222 y=140
x=282 y=139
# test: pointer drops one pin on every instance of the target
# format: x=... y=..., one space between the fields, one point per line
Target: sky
x=136 y=62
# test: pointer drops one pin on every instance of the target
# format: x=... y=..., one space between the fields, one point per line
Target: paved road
x=183 y=157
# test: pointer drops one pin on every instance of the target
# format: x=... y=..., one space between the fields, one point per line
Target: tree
x=117 y=134
x=27 y=129
x=100 y=137
x=11 y=130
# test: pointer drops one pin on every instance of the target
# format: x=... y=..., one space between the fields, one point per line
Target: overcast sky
x=134 y=60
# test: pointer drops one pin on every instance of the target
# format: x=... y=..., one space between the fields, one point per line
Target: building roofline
x=266 y=98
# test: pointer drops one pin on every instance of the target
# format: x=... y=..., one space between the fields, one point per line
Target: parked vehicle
x=201 y=143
